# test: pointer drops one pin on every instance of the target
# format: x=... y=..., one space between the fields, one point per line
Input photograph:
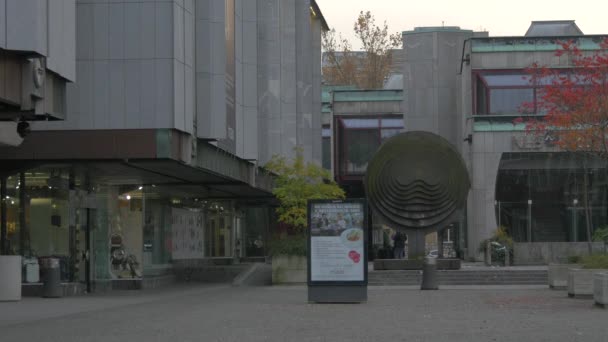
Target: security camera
x=23 y=128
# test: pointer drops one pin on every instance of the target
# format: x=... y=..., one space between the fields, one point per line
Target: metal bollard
x=429 y=274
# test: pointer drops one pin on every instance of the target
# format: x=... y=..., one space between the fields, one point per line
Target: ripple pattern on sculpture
x=416 y=180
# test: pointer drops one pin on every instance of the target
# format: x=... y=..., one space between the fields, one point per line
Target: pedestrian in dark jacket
x=399 y=246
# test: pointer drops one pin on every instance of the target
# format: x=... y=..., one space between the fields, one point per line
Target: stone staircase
x=461 y=277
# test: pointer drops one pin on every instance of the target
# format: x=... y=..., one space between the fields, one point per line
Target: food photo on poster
x=337 y=240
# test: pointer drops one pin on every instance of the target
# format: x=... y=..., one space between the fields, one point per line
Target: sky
x=499 y=18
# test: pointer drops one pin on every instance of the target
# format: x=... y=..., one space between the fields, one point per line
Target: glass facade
x=257 y=222
x=540 y=197
x=130 y=230
x=43 y=219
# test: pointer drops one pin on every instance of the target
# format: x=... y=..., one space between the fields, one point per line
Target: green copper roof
x=436 y=29
x=500 y=123
x=368 y=95
x=325 y=108
x=512 y=44
x=327 y=89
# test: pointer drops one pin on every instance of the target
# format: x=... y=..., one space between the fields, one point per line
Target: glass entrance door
x=219 y=236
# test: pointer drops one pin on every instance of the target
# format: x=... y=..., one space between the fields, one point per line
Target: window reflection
x=539 y=196
x=359 y=139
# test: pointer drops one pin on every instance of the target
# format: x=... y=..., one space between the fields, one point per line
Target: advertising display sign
x=337 y=243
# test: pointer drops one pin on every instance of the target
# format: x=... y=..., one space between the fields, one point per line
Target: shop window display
x=119 y=233
x=12 y=215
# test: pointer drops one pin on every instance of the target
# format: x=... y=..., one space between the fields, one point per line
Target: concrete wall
x=437 y=100
x=210 y=69
x=287 y=99
x=247 y=121
x=24 y=25
x=483 y=159
x=44 y=27
x=135 y=64
x=163 y=64
x=317 y=151
x=542 y=253
x=431 y=82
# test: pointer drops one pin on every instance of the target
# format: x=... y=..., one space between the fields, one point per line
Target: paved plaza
x=196 y=312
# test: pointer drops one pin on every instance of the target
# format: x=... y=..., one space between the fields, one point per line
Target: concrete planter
x=580 y=282
x=10 y=277
x=289 y=269
x=558 y=275
x=600 y=288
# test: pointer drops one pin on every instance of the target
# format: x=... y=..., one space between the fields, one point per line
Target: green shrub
x=601 y=234
x=289 y=245
x=596 y=261
x=502 y=238
x=573 y=259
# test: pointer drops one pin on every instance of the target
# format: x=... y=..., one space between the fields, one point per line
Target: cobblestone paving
x=224 y=313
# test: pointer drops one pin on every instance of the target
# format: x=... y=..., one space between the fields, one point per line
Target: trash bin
x=429 y=274
x=31 y=270
x=51 y=276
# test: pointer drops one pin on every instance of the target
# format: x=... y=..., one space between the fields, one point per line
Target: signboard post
x=337 y=251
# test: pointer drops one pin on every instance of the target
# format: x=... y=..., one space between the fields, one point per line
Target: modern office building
x=468 y=87
x=174 y=108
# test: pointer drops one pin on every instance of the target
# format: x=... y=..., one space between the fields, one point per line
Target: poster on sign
x=337 y=242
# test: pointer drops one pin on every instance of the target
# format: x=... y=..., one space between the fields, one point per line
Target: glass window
x=360 y=138
x=359 y=147
x=219 y=233
x=504 y=94
x=539 y=196
x=360 y=123
x=257 y=225
x=387 y=133
x=157 y=230
x=13 y=228
x=326 y=146
x=510 y=80
x=49 y=218
x=509 y=101
x=481 y=98
x=392 y=123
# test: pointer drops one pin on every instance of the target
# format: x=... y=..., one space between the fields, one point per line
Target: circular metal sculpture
x=416 y=181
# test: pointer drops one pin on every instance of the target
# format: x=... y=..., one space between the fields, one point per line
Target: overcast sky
x=500 y=18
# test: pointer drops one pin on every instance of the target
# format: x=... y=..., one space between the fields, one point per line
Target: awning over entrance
x=143 y=157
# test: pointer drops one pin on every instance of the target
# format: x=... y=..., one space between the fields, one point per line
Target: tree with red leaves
x=574 y=102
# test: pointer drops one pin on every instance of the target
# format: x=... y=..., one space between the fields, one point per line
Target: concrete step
x=460 y=277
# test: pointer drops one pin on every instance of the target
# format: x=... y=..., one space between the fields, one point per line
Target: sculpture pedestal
x=416 y=242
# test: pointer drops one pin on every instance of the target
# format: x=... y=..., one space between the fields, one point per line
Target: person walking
x=399 y=246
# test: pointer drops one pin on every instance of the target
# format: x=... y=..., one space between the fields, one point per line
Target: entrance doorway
x=219 y=236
